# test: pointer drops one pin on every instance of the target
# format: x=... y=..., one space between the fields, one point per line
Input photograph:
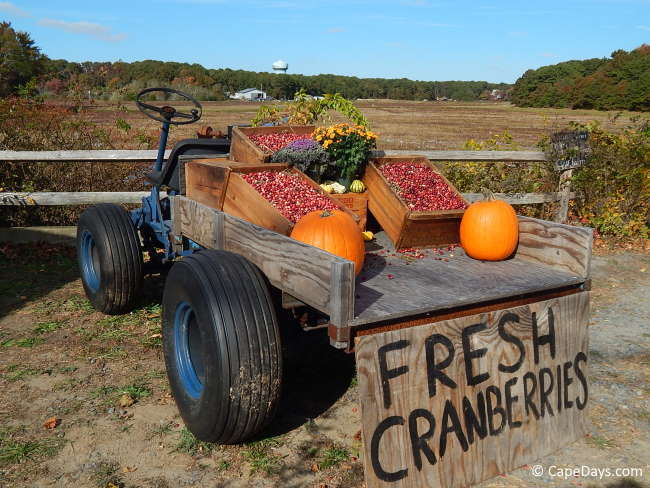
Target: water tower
x=280 y=66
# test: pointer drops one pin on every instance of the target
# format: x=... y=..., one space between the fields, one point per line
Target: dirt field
x=59 y=358
x=400 y=124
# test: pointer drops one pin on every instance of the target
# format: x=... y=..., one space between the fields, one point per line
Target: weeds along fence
x=49 y=198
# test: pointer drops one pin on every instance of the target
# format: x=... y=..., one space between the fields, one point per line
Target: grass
x=14 y=450
x=46 y=327
x=110 y=394
x=77 y=304
x=260 y=457
x=600 y=442
x=162 y=430
x=16 y=372
x=106 y=474
x=189 y=444
x=333 y=456
x=26 y=342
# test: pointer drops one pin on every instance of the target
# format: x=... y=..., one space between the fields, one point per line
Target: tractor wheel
x=110 y=259
x=222 y=346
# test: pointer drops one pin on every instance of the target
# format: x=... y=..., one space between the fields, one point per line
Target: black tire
x=222 y=346
x=110 y=259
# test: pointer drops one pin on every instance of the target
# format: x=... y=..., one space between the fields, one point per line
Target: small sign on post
x=569 y=149
x=459 y=401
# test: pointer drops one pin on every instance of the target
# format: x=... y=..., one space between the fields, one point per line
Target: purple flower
x=303 y=144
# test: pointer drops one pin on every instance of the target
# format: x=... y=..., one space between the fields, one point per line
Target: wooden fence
x=563 y=195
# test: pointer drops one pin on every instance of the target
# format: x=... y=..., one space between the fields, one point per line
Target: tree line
x=621 y=82
x=33 y=72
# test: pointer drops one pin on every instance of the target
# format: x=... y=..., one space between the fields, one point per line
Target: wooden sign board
x=459 y=401
x=569 y=149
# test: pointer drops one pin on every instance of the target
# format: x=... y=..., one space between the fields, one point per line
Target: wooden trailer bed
x=550 y=258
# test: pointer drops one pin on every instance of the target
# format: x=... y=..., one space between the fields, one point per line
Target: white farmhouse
x=250 y=94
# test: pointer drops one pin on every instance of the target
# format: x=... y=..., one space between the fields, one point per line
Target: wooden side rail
x=563 y=247
x=313 y=276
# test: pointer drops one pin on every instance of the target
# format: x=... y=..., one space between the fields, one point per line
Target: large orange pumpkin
x=489 y=230
x=333 y=231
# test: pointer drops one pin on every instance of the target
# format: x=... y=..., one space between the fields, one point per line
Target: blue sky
x=417 y=39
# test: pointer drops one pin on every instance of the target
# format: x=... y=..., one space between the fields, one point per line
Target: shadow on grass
x=32 y=270
x=315 y=376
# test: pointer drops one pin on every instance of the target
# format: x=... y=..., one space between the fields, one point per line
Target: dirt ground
x=400 y=124
x=103 y=379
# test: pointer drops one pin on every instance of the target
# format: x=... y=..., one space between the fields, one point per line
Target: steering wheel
x=167 y=113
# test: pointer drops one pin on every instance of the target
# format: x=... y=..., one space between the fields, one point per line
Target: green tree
x=20 y=60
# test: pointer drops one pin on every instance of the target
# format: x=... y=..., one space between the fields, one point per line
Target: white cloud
x=335 y=30
x=11 y=9
x=91 y=29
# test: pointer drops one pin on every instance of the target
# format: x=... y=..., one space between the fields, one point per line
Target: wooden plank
x=487 y=156
x=342 y=289
x=562 y=247
x=103 y=155
x=243 y=201
x=150 y=155
x=79 y=198
x=520 y=198
x=564 y=188
x=206 y=182
x=299 y=269
x=460 y=401
x=416 y=228
x=245 y=150
x=197 y=221
x=72 y=197
x=357 y=203
x=391 y=286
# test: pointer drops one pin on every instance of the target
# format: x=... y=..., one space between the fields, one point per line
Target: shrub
x=31 y=125
x=503 y=177
x=614 y=185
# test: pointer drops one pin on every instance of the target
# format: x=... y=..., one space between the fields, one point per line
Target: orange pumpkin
x=489 y=230
x=333 y=231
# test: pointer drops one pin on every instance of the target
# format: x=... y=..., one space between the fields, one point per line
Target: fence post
x=564 y=190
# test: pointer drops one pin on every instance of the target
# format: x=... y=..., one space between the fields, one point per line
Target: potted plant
x=349 y=146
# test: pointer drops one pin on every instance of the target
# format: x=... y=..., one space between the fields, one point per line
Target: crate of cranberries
x=413 y=202
x=257 y=144
x=274 y=196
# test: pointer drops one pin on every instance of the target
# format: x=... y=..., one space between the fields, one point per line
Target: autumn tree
x=20 y=60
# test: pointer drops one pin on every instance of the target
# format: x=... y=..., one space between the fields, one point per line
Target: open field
x=400 y=124
x=62 y=359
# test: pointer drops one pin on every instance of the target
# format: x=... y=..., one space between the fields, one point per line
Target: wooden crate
x=405 y=227
x=244 y=150
x=219 y=184
x=357 y=203
x=205 y=180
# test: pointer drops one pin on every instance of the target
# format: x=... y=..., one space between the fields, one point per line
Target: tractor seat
x=169 y=174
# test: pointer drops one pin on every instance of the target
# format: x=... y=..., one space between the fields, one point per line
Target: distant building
x=250 y=94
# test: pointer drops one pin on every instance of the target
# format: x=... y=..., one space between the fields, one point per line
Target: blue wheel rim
x=188 y=350
x=90 y=261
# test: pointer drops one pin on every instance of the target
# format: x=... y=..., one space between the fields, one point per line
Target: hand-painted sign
x=569 y=149
x=455 y=402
